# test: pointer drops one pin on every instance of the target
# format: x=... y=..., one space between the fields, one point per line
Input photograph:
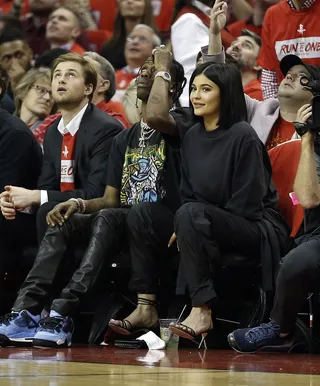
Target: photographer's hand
x=304 y=113
x=300 y=124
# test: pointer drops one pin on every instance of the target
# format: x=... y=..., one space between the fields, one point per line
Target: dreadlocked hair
x=178 y=80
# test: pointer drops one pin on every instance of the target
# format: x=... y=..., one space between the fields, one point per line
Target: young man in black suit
x=20 y=164
x=76 y=147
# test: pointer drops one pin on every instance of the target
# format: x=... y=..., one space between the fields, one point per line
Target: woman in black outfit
x=229 y=202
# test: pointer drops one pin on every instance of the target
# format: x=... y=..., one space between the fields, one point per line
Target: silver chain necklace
x=145 y=134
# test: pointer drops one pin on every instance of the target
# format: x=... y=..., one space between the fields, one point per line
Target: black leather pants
x=104 y=231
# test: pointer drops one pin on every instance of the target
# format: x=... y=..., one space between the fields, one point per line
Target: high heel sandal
x=188 y=333
x=126 y=328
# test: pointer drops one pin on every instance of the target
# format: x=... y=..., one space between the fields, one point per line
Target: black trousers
x=202 y=232
x=41 y=219
x=149 y=228
x=103 y=232
x=298 y=275
x=14 y=236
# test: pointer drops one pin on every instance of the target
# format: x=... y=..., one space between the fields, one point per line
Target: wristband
x=301 y=128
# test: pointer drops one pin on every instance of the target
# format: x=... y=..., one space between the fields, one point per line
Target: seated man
x=144 y=175
x=299 y=270
x=76 y=147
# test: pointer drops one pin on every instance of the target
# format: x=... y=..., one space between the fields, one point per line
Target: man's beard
x=69 y=103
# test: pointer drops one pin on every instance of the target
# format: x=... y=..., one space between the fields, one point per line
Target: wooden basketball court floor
x=97 y=366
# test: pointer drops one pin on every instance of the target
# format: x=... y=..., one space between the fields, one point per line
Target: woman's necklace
x=145 y=134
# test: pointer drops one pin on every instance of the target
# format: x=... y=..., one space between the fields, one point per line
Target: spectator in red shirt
x=290 y=27
x=64 y=26
x=106 y=88
x=245 y=51
x=139 y=46
x=254 y=22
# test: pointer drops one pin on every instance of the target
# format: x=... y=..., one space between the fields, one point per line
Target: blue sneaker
x=18 y=328
x=54 y=332
x=251 y=340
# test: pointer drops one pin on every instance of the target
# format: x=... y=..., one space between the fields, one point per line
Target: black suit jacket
x=20 y=153
x=93 y=142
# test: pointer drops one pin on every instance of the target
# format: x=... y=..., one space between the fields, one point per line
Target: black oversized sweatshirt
x=227 y=168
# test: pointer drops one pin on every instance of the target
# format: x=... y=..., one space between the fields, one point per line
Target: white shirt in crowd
x=188 y=35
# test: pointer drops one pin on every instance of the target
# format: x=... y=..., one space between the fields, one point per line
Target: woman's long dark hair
x=232 y=101
x=119 y=34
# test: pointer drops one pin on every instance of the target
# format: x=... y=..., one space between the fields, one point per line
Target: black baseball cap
x=290 y=61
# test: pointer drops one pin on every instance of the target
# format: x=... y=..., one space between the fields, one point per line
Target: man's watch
x=301 y=128
x=164 y=75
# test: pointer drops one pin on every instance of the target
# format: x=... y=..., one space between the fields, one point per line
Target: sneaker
x=18 y=328
x=54 y=332
x=251 y=340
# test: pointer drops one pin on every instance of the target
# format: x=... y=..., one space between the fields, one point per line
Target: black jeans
x=202 y=232
x=41 y=219
x=298 y=275
x=149 y=228
x=14 y=236
x=104 y=231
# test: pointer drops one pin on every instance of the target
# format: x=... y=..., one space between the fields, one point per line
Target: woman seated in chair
x=229 y=201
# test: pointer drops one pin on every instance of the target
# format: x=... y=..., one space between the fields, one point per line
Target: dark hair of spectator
x=48 y=57
x=89 y=73
x=4 y=81
x=11 y=22
x=252 y=35
x=232 y=102
x=119 y=31
x=178 y=79
x=10 y=35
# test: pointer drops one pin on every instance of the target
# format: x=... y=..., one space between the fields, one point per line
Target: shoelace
x=6 y=319
x=51 y=323
x=264 y=331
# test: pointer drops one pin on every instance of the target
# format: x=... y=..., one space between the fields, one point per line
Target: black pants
x=202 y=232
x=149 y=228
x=298 y=275
x=104 y=231
x=41 y=219
x=14 y=236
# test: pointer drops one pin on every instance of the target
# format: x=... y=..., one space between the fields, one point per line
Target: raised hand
x=162 y=58
x=218 y=17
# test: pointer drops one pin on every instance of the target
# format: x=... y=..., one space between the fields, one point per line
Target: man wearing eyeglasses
x=139 y=45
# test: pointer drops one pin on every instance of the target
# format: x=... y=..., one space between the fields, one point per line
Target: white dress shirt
x=188 y=35
x=72 y=127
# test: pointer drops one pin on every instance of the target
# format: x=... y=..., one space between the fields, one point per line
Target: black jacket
x=20 y=153
x=92 y=147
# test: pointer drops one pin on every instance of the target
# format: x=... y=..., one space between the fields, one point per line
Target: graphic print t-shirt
x=145 y=174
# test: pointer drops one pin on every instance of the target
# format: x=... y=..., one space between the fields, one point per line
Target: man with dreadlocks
x=137 y=210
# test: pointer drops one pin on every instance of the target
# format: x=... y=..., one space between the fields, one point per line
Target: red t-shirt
x=77 y=49
x=104 y=12
x=116 y=110
x=236 y=27
x=162 y=12
x=123 y=79
x=5 y=6
x=287 y=31
x=282 y=131
x=253 y=89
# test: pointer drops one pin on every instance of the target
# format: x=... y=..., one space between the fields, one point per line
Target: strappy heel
x=188 y=333
x=126 y=328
